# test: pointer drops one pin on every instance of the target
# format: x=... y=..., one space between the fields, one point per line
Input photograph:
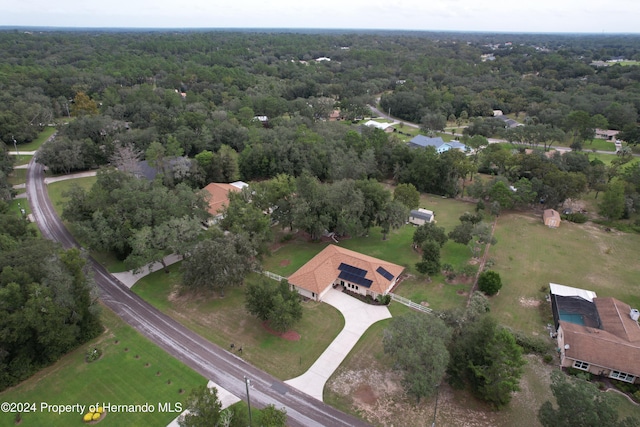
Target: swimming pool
x=576 y=318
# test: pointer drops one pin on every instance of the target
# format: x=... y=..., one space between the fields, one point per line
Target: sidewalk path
x=129 y=278
x=226 y=399
x=358 y=317
x=49 y=180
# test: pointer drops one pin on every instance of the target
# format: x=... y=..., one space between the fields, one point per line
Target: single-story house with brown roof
x=357 y=272
x=551 y=218
x=217 y=195
x=597 y=335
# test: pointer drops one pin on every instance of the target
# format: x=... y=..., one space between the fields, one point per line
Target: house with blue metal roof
x=438 y=143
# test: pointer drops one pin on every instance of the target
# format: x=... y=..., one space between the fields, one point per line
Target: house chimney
x=635 y=314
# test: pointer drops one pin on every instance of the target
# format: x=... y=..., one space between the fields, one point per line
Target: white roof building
x=568 y=291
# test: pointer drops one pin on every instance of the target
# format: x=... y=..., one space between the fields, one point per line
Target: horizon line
x=300 y=29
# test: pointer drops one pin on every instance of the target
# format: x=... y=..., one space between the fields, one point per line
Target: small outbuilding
x=421 y=216
x=551 y=218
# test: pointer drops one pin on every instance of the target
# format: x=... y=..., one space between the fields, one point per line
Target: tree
x=431 y=122
x=49 y=306
x=393 y=216
x=429 y=231
x=218 y=262
x=408 y=195
x=152 y=244
x=462 y=233
x=83 y=105
x=472 y=231
x=612 y=204
x=243 y=217
x=203 y=408
x=502 y=194
x=580 y=403
x=274 y=302
x=630 y=134
x=417 y=342
x=489 y=282
x=270 y=416
x=430 y=263
x=487 y=359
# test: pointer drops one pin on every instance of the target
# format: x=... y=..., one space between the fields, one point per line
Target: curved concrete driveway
x=358 y=317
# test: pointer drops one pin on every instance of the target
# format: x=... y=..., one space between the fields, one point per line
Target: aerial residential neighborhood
x=319 y=227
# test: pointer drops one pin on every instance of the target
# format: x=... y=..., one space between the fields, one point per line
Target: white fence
x=410 y=303
x=274 y=276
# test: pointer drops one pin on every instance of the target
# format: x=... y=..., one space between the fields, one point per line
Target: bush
x=531 y=344
x=384 y=299
x=626 y=387
x=92 y=354
x=489 y=282
x=468 y=270
x=579 y=373
x=577 y=217
x=547 y=358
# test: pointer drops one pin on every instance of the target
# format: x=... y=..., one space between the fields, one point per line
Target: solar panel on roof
x=352 y=270
x=357 y=280
x=384 y=273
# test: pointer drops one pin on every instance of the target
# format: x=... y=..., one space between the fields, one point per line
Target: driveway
x=358 y=317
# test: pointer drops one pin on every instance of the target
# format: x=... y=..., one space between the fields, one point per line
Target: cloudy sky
x=585 y=16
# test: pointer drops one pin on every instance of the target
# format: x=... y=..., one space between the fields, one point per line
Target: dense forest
x=201 y=107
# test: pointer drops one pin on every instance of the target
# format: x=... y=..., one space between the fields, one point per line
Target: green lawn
x=529 y=255
x=224 y=320
x=22 y=159
x=132 y=370
x=17 y=176
x=56 y=190
x=594 y=144
x=36 y=143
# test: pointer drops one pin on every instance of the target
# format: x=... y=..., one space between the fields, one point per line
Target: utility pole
x=247 y=383
x=435 y=411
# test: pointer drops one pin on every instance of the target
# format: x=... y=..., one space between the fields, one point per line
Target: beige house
x=217 y=195
x=551 y=218
x=421 y=216
x=607 y=134
x=336 y=266
x=596 y=335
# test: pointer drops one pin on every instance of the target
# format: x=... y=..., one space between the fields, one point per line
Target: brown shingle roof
x=218 y=196
x=615 y=318
x=322 y=270
x=616 y=346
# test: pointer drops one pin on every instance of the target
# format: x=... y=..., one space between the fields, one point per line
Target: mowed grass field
x=132 y=370
x=224 y=320
x=529 y=256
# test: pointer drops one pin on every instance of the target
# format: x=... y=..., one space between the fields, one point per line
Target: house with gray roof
x=438 y=143
x=421 y=216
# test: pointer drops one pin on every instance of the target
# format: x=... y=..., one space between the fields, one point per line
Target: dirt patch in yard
x=529 y=302
x=378 y=397
x=289 y=335
x=285 y=262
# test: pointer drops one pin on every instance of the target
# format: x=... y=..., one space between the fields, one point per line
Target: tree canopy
x=418 y=344
x=579 y=402
x=274 y=302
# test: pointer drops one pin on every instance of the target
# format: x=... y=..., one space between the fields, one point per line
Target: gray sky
x=592 y=16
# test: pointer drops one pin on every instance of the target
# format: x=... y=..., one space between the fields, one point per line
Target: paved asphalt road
x=213 y=362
